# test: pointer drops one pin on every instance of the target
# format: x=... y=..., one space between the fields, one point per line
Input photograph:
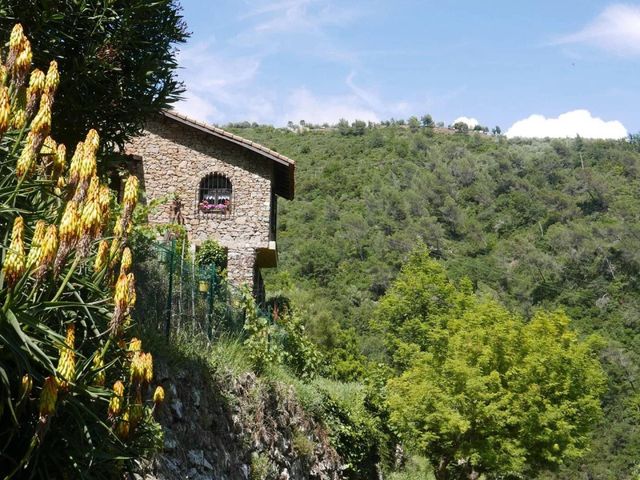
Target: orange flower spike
x=116 y=402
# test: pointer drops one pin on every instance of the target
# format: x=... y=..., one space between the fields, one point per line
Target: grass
x=416 y=468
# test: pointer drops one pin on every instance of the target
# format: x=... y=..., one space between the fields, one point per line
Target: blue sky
x=573 y=64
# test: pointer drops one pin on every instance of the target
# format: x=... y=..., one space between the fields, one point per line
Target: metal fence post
x=167 y=322
x=212 y=286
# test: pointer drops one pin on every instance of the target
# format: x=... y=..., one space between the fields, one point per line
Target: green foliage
x=210 y=253
x=262 y=350
x=261 y=467
x=533 y=223
x=299 y=352
x=117 y=60
x=481 y=390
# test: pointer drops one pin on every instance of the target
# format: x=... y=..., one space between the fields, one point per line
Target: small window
x=215 y=194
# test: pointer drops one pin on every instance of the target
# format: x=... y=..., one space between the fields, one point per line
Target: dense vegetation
x=117 y=60
x=532 y=223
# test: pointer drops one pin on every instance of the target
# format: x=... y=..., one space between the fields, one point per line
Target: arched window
x=215 y=194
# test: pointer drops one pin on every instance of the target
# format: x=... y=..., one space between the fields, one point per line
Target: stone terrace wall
x=176 y=157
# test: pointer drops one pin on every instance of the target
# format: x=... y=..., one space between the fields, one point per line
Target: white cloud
x=471 y=122
x=222 y=88
x=616 y=29
x=570 y=124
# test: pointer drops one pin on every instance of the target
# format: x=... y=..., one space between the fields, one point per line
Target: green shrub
x=211 y=253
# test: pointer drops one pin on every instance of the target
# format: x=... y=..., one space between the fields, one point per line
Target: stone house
x=218 y=185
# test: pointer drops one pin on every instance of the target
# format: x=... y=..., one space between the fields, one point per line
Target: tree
x=461 y=127
x=496 y=130
x=414 y=124
x=481 y=391
x=117 y=60
x=427 y=121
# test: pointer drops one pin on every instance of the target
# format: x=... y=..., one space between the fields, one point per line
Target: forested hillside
x=533 y=223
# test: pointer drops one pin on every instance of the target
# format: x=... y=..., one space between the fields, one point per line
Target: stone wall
x=176 y=157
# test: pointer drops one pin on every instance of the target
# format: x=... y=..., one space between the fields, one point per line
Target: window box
x=206 y=207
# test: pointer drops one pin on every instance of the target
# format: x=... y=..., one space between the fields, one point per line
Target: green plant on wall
x=210 y=253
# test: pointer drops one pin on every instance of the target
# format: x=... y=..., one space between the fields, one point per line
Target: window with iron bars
x=215 y=194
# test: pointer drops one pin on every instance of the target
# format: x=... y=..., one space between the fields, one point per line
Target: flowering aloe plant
x=75 y=392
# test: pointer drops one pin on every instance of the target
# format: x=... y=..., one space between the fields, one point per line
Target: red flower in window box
x=207 y=207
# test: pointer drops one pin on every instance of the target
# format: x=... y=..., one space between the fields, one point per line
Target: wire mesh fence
x=176 y=294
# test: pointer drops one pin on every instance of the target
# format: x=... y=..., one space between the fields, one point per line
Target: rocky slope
x=245 y=428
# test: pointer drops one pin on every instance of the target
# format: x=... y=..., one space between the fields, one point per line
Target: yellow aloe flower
x=67 y=362
x=52 y=79
x=158 y=395
x=132 y=289
x=74 y=167
x=102 y=256
x=48 y=250
x=5 y=109
x=135 y=345
x=41 y=124
x=49 y=396
x=69 y=224
x=122 y=429
x=27 y=160
x=14 y=262
x=148 y=368
x=98 y=366
x=137 y=368
x=125 y=262
x=36 y=243
x=116 y=402
x=130 y=196
x=59 y=160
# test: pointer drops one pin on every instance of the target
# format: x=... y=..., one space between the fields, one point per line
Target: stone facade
x=173 y=159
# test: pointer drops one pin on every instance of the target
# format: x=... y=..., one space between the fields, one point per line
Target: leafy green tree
x=117 y=60
x=427 y=121
x=414 y=124
x=483 y=392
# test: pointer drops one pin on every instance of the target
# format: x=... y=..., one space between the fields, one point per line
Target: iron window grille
x=215 y=194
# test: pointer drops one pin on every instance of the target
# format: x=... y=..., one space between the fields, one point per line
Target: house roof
x=284 y=167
